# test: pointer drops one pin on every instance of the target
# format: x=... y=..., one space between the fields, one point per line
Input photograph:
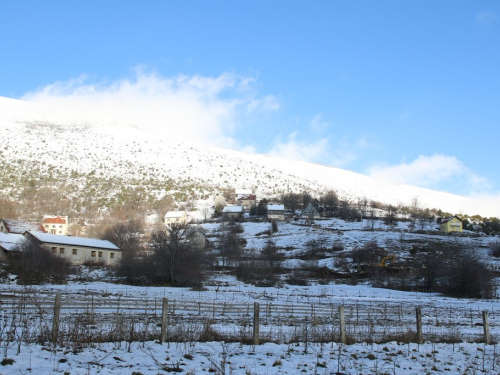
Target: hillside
x=99 y=164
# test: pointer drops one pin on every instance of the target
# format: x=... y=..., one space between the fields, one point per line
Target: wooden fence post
x=418 y=313
x=256 y=322
x=486 y=328
x=164 y=321
x=343 y=338
x=55 y=321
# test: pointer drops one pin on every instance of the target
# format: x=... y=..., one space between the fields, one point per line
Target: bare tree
x=291 y=201
x=230 y=243
x=179 y=261
x=127 y=237
x=330 y=201
x=391 y=215
x=271 y=254
x=35 y=264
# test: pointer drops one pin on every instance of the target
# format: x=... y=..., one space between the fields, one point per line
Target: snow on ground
x=268 y=358
x=151 y=358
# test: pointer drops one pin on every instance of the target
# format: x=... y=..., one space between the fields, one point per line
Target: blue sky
x=407 y=91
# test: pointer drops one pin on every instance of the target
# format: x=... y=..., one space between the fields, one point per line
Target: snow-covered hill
x=33 y=139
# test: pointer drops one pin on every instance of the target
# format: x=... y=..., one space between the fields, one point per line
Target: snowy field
x=215 y=357
x=149 y=357
x=298 y=324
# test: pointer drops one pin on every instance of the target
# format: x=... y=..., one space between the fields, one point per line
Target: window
x=100 y=254
x=60 y=226
x=60 y=232
x=61 y=250
x=75 y=251
x=54 y=250
x=53 y=226
x=92 y=254
x=111 y=255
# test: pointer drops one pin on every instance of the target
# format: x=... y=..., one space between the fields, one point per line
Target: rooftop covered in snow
x=73 y=241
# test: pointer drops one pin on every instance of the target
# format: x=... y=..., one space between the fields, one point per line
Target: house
x=451 y=224
x=78 y=250
x=56 y=224
x=19 y=227
x=175 y=217
x=9 y=243
x=232 y=212
x=275 y=212
x=310 y=213
x=247 y=201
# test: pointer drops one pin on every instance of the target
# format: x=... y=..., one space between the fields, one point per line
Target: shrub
x=34 y=264
x=457 y=270
x=7 y=361
x=495 y=249
x=256 y=272
x=274 y=226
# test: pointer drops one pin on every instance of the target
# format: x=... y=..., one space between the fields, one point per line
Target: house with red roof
x=19 y=226
x=56 y=224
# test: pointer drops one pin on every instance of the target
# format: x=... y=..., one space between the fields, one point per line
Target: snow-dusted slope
x=31 y=137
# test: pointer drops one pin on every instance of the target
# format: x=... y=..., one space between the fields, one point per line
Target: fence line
x=351 y=321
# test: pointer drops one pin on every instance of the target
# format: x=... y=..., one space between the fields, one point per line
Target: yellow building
x=451 y=224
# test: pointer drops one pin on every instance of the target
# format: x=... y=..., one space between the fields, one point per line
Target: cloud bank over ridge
x=205 y=109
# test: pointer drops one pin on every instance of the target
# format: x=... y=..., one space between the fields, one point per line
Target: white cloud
x=486 y=17
x=318 y=124
x=300 y=150
x=206 y=109
x=322 y=150
x=433 y=172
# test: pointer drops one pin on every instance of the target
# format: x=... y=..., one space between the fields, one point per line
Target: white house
x=78 y=250
x=275 y=212
x=232 y=212
x=175 y=217
x=56 y=224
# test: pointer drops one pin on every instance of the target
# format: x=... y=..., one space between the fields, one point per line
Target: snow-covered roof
x=74 y=241
x=19 y=227
x=9 y=241
x=243 y=191
x=232 y=209
x=170 y=214
x=50 y=219
x=275 y=207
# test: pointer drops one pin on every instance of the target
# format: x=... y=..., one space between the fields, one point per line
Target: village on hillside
x=339 y=240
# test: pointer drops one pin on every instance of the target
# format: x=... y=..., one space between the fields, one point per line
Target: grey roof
x=74 y=241
x=9 y=241
x=275 y=207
